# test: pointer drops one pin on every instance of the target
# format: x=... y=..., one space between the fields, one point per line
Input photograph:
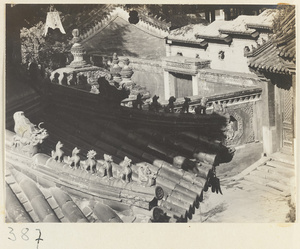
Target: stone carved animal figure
x=28 y=136
x=90 y=163
x=201 y=109
x=155 y=105
x=186 y=105
x=58 y=153
x=94 y=89
x=217 y=107
x=108 y=166
x=126 y=175
x=146 y=175
x=74 y=160
x=38 y=135
x=138 y=103
x=170 y=106
x=23 y=127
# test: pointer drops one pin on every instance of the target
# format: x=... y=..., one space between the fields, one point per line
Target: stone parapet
x=231 y=78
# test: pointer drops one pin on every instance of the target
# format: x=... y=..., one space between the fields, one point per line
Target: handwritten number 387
x=24 y=235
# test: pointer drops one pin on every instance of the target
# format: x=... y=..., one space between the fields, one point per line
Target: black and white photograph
x=150 y=113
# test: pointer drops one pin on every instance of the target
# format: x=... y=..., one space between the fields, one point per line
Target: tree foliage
x=37 y=48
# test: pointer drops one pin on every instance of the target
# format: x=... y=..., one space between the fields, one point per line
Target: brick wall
x=148 y=73
x=234 y=59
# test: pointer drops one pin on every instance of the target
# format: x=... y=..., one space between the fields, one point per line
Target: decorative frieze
x=186 y=65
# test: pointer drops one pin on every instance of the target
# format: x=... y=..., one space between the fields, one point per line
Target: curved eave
x=260 y=49
x=226 y=39
x=258 y=26
x=201 y=43
x=253 y=34
x=271 y=69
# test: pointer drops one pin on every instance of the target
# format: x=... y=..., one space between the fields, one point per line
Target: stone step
x=256 y=179
x=278 y=171
x=261 y=189
x=250 y=186
x=279 y=164
x=283 y=157
x=288 y=150
x=279 y=186
x=271 y=176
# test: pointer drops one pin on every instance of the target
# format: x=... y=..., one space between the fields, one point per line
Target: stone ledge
x=254 y=166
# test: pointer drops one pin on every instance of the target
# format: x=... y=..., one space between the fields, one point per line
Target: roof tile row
x=27 y=202
x=278 y=54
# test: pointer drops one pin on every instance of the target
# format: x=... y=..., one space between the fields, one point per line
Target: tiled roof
x=212 y=31
x=183 y=190
x=187 y=33
x=221 y=30
x=26 y=201
x=278 y=54
x=264 y=20
x=239 y=26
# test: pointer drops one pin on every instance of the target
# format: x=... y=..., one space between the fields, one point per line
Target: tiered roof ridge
x=147 y=23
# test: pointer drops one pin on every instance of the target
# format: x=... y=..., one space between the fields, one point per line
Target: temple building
x=215 y=54
x=206 y=46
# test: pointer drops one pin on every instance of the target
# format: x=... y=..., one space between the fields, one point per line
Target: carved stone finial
x=126 y=74
x=115 y=68
x=126 y=71
x=115 y=59
x=76 y=37
x=78 y=51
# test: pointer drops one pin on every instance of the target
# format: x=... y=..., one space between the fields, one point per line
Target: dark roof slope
x=278 y=55
x=27 y=201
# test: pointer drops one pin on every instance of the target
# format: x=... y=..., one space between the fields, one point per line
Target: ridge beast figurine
x=28 y=136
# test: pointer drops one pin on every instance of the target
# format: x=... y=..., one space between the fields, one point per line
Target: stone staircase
x=272 y=174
